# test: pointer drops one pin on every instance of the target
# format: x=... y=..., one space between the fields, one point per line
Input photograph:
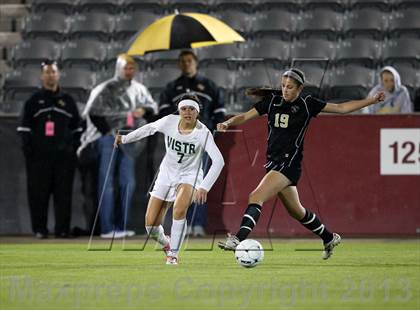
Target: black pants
x=46 y=176
x=89 y=178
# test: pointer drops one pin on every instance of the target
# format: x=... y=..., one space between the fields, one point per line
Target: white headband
x=292 y=74
x=188 y=103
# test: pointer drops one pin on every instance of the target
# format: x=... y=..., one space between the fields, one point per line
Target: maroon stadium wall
x=356 y=188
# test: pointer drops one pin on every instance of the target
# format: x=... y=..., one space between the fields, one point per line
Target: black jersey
x=287 y=125
x=212 y=106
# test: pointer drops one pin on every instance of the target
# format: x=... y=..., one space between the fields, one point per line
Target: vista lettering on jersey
x=178 y=146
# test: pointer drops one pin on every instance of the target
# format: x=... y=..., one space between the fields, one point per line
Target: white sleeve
x=144 y=131
x=217 y=161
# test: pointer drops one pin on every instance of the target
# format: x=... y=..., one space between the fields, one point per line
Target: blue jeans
x=112 y=217
x=200 y=216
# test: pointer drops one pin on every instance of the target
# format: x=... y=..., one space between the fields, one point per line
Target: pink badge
x=49 y=129
x=130 y=120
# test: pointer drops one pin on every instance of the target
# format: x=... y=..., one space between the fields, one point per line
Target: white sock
x=178 y=231
x=157 y=233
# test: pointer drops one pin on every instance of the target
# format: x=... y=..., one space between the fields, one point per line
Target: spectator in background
x=120 y=103
x=50 y=131
x=397 y=98
x=212 y=112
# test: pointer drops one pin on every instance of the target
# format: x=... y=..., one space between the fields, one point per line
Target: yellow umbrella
x=186 y=30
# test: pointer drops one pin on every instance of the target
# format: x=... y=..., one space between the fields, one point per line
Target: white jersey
x=184 y=152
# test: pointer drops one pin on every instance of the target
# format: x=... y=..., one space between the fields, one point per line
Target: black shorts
x=292 y=171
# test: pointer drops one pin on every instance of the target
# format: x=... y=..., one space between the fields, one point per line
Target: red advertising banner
x=361 y=175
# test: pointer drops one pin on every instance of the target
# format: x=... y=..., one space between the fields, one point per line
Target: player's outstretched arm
x=142 y=132
x=354 y=105
x=238 y=120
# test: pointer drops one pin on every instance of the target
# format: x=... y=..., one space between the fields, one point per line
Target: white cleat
x=171 y=260
x=230 y=244
x=329 y=247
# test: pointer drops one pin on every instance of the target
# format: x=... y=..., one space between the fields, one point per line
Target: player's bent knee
x=255 y=197
x=179 y=214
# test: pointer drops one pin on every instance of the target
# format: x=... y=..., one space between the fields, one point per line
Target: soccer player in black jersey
x=289 y=115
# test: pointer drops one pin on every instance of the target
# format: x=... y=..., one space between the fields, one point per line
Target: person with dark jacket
x=212 y=111
x=50 y=131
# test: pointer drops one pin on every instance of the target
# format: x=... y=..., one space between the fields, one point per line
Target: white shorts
x=166 y=191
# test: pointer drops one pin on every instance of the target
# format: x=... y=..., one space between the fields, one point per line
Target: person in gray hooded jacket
x=397 y=98
x=120 y=103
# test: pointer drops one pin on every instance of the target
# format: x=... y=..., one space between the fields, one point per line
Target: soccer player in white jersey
x=180 y=179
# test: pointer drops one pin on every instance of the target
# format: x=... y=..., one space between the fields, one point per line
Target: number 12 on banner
x=400 y=151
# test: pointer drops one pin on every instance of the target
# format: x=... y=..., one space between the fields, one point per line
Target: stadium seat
x=220 y=54
x=335 y=5
x=321 y=23
x=113 y=49
x=271 y=50
x=103 y=75
x=156 y=6
x=362 y=51
x=288 y=5
x=243 y=5
x=109 y=6
x=237 y=19
x=127 y=25
x=199 y=6
x=163 y=58
x=313 y=49
x=33 y=52
x=223 y=78
x=404 y=4
x=92 y=25
x=274 y=22
x=78 y=82
x=365 y=22
x=52 y=25
x=405 y=22
x=83 y=53
x=64 y=6
x=21 y=83
x=350 y=83
x=402 y=50
x=383 y=5
x=254 y=76
x=315 y=77
x=157 y=79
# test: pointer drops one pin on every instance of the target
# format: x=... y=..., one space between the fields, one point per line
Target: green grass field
x=362 y=274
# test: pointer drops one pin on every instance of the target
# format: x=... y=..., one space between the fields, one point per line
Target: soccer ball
x=249 y=253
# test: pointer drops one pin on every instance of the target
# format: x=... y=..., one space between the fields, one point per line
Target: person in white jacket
x=397 y=98
x=180 y=179
x=120 y=103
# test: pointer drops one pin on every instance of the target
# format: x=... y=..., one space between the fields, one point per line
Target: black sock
x=312 y=222
x=249 y=220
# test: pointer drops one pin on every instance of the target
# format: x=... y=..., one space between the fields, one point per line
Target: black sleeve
x=166 y=106
x=262 y=106
x=315 y=105
x=219 y=110
x=100 y=123
x=149 y=114
x=26 y=127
